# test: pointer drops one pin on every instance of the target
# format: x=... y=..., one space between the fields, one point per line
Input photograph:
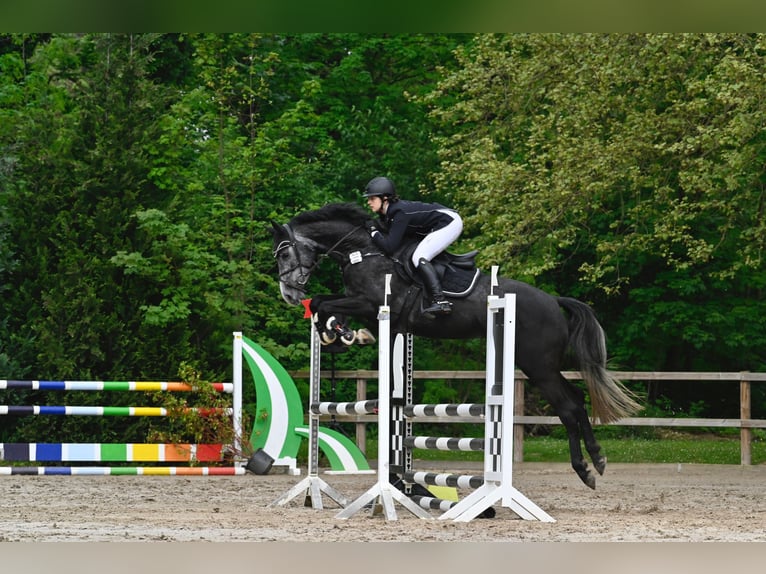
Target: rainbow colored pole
x=24 y=410
x=110 y=452
x=110 y=386
x=123 y=470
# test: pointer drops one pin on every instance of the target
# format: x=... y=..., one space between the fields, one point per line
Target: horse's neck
x=335 y=240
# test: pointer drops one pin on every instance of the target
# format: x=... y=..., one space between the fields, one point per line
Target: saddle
x=458 y=273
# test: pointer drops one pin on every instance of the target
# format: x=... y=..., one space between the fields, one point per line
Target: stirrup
x=442 y=307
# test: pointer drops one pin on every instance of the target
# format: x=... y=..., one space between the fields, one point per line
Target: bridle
x=291 y=244
x=304 y=273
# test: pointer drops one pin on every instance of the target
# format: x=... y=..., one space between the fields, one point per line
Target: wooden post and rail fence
x=745 y=423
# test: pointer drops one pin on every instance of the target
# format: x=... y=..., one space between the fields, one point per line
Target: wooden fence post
x=518 y=430
x=361 y=427
x=745 y=433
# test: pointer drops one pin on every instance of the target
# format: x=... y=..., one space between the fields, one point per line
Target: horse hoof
x=364 y=337
x=327 y=337
x=600 y=464
x=347 y=338
x=590 y=480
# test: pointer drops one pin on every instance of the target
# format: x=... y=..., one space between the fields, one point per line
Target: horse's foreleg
x=329 y=314
x=337 y=326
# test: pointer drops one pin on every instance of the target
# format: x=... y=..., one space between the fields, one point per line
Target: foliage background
x=139 y=174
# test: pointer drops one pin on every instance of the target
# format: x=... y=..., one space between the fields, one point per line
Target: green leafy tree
x=79 y=120
x=598 y=163
x=626 y=170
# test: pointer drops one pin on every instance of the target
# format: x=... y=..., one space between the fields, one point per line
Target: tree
x=624 y=169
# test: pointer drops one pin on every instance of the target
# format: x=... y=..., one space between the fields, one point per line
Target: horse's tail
x=609 y=398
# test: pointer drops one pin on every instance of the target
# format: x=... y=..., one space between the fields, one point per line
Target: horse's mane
x=348 y=212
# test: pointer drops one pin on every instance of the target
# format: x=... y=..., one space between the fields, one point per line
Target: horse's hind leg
x=569 y=404
x=591 y=444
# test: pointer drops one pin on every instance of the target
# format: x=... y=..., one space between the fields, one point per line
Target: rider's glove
x=372 y=229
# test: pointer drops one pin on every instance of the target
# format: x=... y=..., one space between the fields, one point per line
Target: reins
x=331 y=249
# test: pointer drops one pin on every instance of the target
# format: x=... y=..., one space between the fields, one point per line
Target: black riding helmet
x=380 y=187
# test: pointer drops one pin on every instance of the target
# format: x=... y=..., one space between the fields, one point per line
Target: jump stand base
x=490 y=494
x=313 y=487
x=383 y=496
x=290 y=465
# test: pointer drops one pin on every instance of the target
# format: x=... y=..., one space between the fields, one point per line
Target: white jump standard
x=498 y=423
x=383 y=491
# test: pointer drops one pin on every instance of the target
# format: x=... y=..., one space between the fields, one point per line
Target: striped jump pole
x=110 y=452
x=444 y=443
x=348 y=408
x=444 y=479
x=444 y=410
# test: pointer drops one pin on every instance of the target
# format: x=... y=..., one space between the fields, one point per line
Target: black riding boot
x=439 y=303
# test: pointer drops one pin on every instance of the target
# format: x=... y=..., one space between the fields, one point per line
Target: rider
x=435 y=225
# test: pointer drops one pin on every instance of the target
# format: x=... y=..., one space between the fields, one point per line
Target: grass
x=685 y=449
x=662 y=446
x=641 y=450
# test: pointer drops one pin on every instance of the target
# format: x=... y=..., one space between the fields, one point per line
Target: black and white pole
x=383 y=491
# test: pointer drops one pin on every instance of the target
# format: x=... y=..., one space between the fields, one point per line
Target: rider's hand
x=370 y=226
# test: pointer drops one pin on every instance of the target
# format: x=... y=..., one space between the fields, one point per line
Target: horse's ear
x=276 y=229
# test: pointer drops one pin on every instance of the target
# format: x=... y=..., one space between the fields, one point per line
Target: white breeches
x=437 y=241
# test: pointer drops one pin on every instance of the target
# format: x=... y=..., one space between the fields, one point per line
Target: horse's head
x=335 y=230
x=295 y=261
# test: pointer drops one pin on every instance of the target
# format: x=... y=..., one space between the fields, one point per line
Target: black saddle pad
x=458 y=282
x=458 y=273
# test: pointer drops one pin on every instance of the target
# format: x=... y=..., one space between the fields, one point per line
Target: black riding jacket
x=409 y=219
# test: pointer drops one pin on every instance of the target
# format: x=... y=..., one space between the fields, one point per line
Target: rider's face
x=375 y=204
